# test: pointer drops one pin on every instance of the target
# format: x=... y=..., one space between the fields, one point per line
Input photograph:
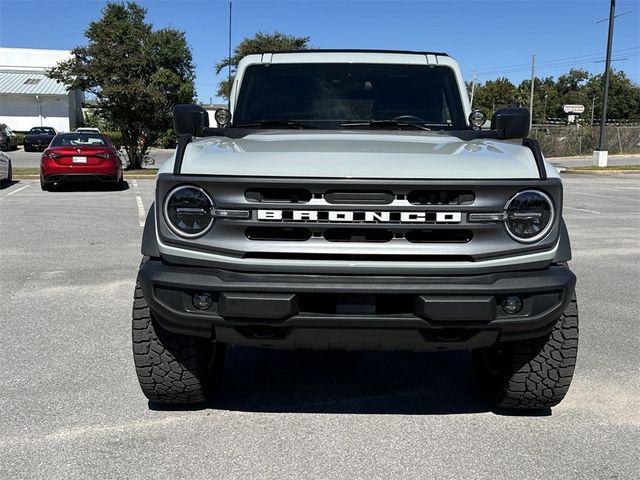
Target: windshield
x=79 y=139
x=43 y=130
x=328 y=95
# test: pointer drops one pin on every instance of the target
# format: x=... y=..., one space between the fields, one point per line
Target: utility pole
x=473 y=87
x=533 y=79
x=600 y=155
x=229 y=66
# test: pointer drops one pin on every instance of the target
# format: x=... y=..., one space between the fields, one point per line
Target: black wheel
x=26 y=149
x=45 y=186
x=10 y=173
x=4 y=147
x=172 y=368
x=532 y=374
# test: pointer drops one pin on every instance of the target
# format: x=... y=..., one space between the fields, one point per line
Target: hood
x=362 y=154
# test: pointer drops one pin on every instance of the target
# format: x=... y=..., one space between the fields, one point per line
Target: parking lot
x=71 y=406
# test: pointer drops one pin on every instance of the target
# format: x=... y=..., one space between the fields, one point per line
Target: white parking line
x=16 y=191
x=582 y=210
x=141 y=214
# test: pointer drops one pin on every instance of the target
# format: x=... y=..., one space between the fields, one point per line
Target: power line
x=527 y=65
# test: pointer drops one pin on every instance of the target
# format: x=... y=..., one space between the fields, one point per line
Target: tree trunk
x=134 y=152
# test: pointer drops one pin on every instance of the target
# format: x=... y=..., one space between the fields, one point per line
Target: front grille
x=372 y=220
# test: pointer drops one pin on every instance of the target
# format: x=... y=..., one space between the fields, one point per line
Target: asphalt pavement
x=71 y=406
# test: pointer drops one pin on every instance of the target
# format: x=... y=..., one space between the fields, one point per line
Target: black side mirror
x=514 y=122
x=189 y=119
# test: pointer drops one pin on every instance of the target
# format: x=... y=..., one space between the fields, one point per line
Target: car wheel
x=4 y=147
x=531 y=374
x=45 y=186
x=171 y=368
x=10 y=173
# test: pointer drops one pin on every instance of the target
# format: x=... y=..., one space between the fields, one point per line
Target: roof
x=356 y=50
x=25 y=83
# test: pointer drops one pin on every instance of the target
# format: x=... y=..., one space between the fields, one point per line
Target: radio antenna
x=229 y=61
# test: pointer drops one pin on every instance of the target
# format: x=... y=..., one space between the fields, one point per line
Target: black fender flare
x=149 y=240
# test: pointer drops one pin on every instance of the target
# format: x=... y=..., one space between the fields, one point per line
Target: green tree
x=495 y=94
x=624 y=96
x=136 y=74
x=260 y=43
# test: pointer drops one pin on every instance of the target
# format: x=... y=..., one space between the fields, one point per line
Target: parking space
x=71 y=407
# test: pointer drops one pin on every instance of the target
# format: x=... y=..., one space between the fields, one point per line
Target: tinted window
x=45 y=130
x=80 y=139
x=334 y=93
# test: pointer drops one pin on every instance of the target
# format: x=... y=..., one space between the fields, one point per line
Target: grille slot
x=278 y=195
x=441 y=197
x=363 y=198
x=284 y=234
x=358 y=235
x=439 y=236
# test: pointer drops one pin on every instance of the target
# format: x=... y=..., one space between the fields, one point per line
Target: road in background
x=71 y=407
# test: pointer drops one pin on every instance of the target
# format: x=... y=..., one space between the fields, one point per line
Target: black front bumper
x=356 y=312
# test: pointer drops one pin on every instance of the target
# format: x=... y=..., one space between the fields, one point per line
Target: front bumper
x=355 y=312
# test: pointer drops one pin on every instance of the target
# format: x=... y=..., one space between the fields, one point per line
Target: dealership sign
x=573 y=108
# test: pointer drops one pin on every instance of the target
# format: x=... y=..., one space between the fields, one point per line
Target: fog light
x=512 y=305
x=202 y=301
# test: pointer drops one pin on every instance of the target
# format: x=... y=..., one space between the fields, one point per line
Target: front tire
x=172 y=368
x=531 y=374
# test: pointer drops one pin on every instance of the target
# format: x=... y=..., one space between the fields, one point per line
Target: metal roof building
x=28 y=97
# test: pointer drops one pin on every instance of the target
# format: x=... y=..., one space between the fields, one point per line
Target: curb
x=598 y=172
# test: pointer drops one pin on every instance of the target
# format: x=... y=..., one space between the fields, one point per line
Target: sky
x=491 y=38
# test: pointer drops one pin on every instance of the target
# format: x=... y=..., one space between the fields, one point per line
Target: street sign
x=573 y=108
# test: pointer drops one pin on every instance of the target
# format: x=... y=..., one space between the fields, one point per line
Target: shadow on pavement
x=4 y=185
x=90 y=187
x=257 y=380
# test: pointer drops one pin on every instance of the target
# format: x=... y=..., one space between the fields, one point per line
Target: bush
x=115 y=137
x=20 y=138
x=562 y=141
x=166 y=140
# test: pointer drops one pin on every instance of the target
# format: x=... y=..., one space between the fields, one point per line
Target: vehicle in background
x=8 y=139
x=5 y=168
x=80 y=157
x=88 y=129
x=38 y=138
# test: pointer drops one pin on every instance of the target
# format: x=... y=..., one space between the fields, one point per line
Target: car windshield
x=79 y=139
x=44 y=130
x=329 y=95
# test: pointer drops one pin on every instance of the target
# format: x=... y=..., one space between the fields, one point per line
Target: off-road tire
x=4 y=147
x=532 y=374
x=171 y=368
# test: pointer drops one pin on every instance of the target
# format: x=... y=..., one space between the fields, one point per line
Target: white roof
x=29 y=83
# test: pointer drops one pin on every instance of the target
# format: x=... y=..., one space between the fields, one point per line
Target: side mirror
x=514 y=122
x=189 y=119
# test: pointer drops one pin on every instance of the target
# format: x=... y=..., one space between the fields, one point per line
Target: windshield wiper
x=274 y=123
x=384 y=123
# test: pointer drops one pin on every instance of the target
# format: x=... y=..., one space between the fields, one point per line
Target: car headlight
x=529 y=216
x=187 y=211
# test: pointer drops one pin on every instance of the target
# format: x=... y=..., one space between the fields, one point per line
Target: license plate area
x=79 y=159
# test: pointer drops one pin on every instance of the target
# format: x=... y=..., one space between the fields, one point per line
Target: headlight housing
x=187 y=211
x=529 y=216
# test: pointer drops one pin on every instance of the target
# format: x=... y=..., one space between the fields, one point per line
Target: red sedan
x=82 y=157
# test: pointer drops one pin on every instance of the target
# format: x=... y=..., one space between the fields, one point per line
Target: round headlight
x=187 y=211
x=477 y=119
x=529 y=216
